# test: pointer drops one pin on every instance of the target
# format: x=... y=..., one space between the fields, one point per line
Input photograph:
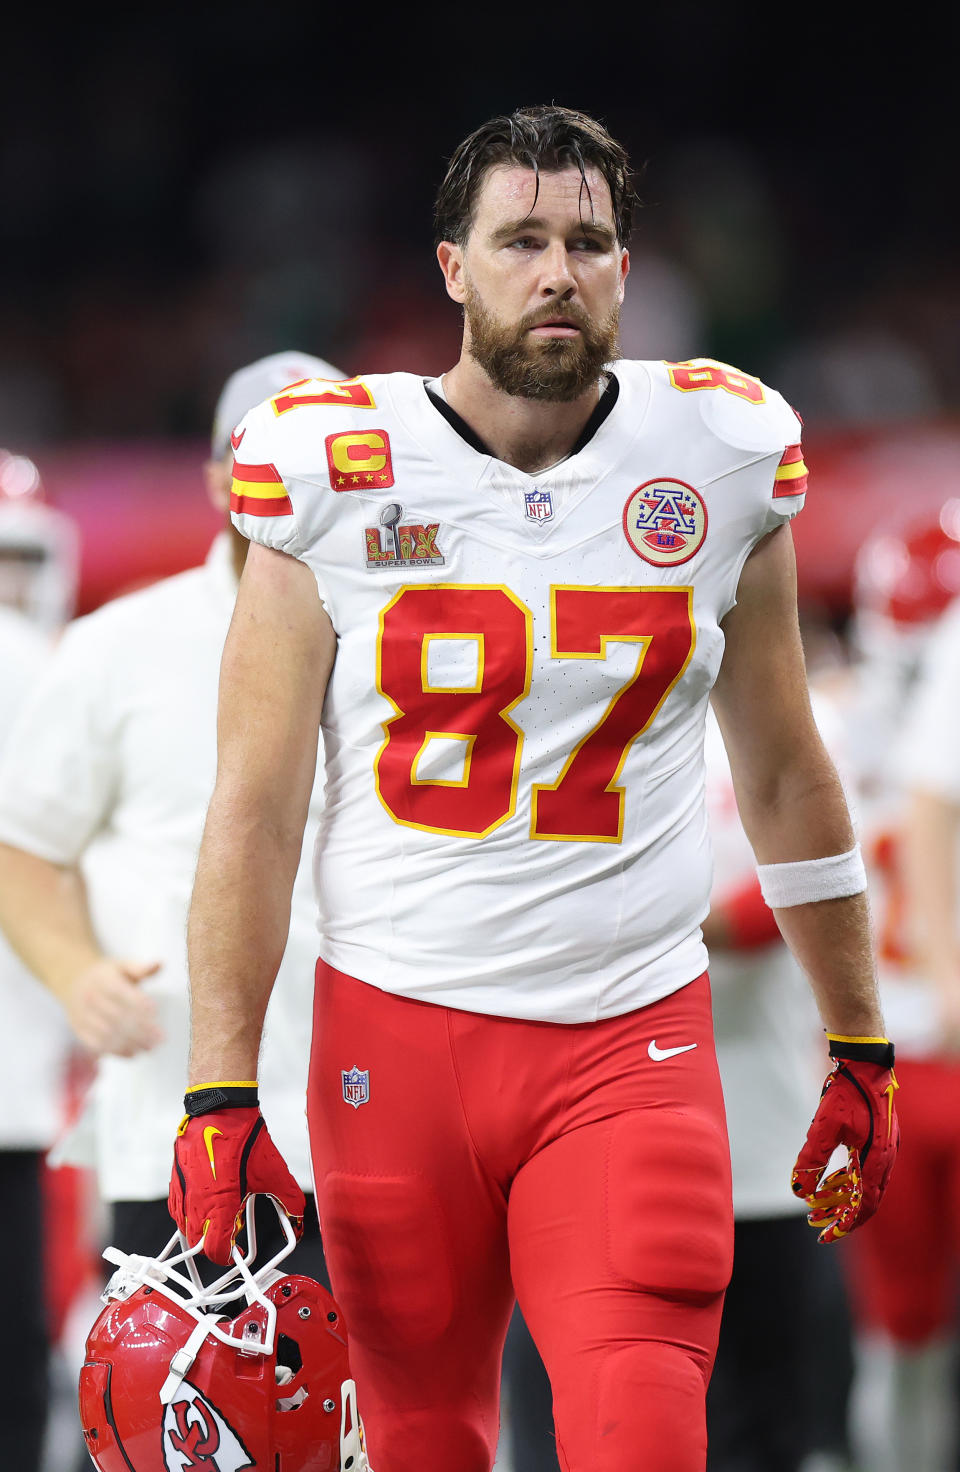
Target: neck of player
x=531 y=434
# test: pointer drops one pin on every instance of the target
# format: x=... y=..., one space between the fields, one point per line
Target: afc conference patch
x=665 y=522
x=539 y=506
x=356 y=1085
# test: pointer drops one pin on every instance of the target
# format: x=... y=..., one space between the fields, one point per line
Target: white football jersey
x=514 y=819
x=887 y=754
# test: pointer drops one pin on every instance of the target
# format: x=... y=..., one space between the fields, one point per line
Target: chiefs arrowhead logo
x=197 y=1438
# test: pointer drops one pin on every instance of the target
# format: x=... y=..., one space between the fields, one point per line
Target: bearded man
x=507 y=596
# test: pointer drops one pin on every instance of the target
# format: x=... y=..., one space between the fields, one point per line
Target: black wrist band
x=220 y=1096
x=880 y=1053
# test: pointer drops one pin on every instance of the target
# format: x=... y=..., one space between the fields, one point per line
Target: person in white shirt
x=39 y=559
x=33 y=1048
x=103 y=790
x=903 y=1400
x=771 y=1051
x=904 y=1270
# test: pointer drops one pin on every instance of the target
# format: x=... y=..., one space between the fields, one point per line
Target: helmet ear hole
x=288 y=1354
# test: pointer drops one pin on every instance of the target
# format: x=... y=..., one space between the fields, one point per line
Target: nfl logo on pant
x=356 y=1085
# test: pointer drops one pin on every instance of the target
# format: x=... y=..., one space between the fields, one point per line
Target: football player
x=38 y=566
x=33 y=1053
x=106 y=776
x=902 y=706
x=507 y=594
x=771 y=1054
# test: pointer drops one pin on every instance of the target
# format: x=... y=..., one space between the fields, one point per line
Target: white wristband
x=810 y=880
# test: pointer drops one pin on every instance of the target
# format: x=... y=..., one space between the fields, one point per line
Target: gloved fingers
x=823 y=1137
x=836 y=1207
x=218 y=1231
x=295 y=1218
x=803 y=1183
x=836 y=1188
x=269 y=1175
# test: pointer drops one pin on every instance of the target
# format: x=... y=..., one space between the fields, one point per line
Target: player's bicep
x=273 y=676
x=760 y=698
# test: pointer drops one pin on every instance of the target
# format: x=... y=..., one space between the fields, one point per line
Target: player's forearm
x=930 y=872
x=800 y=814
x=831 y=941
x=797 y=812
x=237 y=931
x=44 y=915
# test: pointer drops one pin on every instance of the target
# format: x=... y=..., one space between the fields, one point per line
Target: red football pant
x=904 y=1262
x=559 y=1161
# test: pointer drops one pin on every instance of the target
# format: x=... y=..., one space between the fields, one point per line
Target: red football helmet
x=908 y=576
x=171 y=1383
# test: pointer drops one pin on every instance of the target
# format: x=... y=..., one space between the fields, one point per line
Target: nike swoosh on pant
x=658 y=1054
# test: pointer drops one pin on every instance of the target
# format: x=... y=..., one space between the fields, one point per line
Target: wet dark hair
x=537 y=138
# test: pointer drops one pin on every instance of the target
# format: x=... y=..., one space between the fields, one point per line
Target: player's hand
x=222 y=1156
x=856 y=1110
x=109 y=1012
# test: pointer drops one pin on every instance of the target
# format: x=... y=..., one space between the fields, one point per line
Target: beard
x=556 y=369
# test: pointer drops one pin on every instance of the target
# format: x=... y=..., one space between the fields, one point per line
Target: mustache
x=569 y=312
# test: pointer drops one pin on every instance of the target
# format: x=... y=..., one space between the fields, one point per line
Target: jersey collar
x=599 y=413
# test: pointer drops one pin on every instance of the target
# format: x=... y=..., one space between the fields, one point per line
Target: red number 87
x=585 y=803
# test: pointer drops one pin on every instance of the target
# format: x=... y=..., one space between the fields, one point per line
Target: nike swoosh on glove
x=856 y=1109
x=219 y=1160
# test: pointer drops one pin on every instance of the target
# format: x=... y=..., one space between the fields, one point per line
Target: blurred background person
x=39 y=551
x=902 y=735
x=777 y=1399
x=106 y=775
x=38 y=575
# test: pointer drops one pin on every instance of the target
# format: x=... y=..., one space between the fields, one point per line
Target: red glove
x=222 y=1155
x=856 y=1110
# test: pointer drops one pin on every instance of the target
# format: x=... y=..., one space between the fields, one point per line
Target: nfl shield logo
x=356 y=1085
x=539 y=505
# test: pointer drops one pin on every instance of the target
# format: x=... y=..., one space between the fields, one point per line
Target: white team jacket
x=34 y=1037
x=111 y=764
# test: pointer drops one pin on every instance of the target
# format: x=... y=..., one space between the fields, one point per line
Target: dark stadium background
x=185 y=189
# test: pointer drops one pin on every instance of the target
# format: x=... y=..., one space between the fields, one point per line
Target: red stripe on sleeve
x=259 y=473
x=791 y=455
x=795 y=487
x=260 y=505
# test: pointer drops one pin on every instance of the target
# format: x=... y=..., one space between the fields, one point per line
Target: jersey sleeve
x=59 y=760
x=261 y=504
x=757 y=426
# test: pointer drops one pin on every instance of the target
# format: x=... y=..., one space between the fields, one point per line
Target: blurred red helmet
x=171 y=1382
x=908 y=577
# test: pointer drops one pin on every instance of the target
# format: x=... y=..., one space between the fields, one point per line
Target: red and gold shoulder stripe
x=791 y=476
x=258 y=490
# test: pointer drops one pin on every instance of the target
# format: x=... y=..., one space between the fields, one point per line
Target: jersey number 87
x=584 y=804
